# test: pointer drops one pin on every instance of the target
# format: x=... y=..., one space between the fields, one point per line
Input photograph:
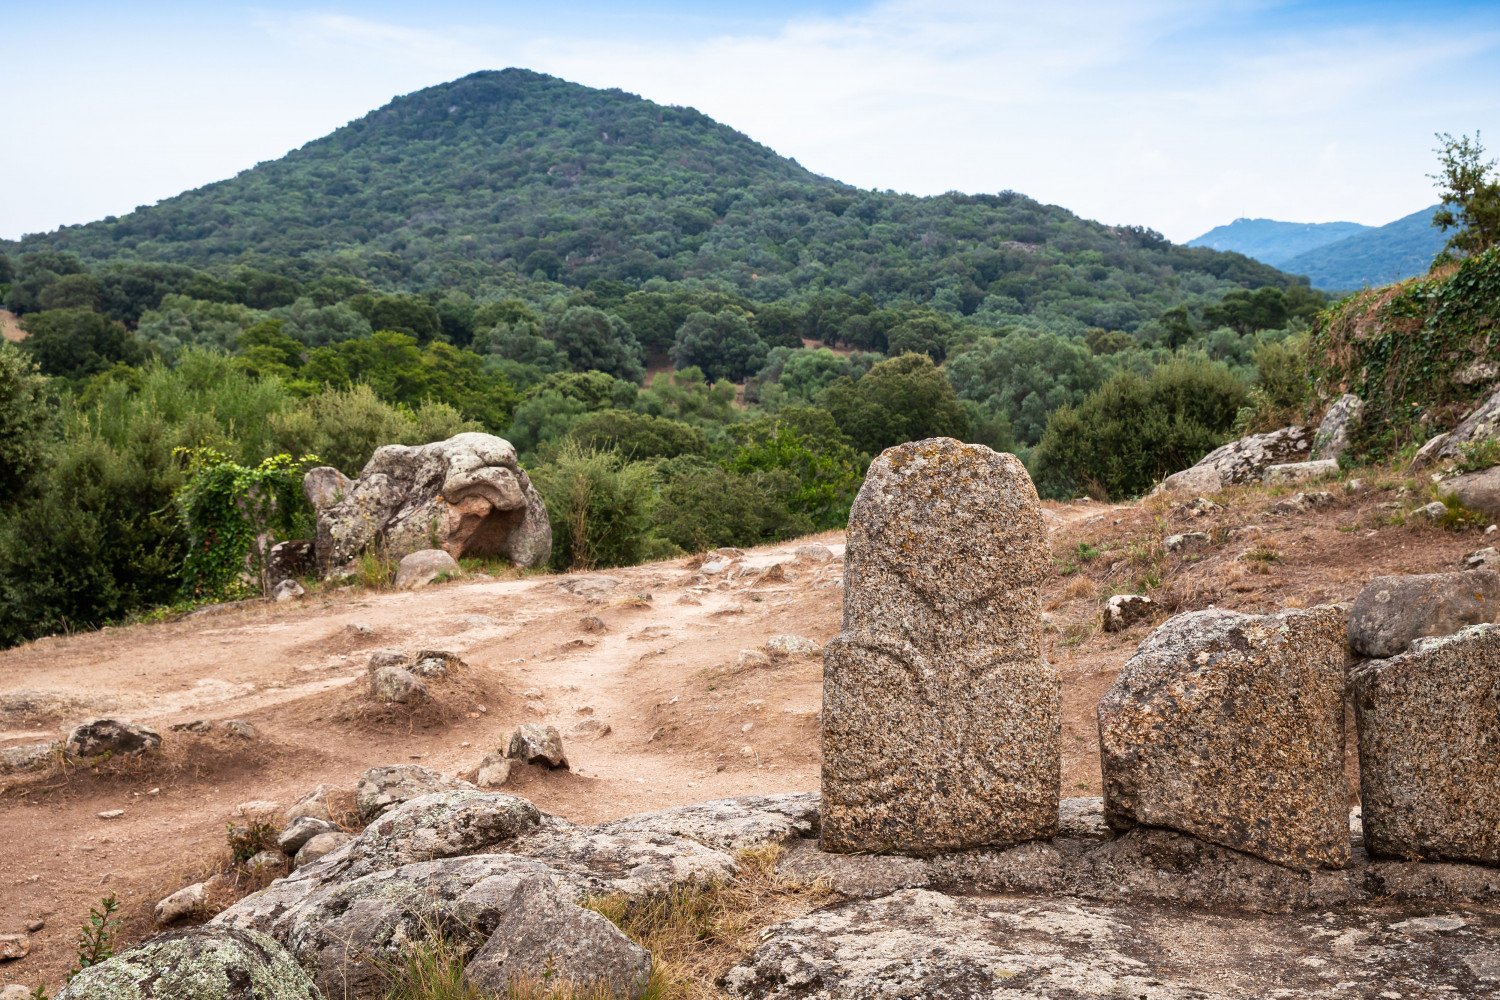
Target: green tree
x=26 y=422
x=600 y=506
x=594 y=340
x=906 y=398
x=638 y=435
x=1133 y=430
x=1471 y=195
x=723 y=346
x=75 y=343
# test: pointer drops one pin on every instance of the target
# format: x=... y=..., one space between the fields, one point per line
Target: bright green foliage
x=902 y=399
x=344 y=427
x=1401 y=350
x=722 y=345
x=180 y=322
x=1133 y=431
x=25 y=423
x=805 y=443
x=1471 y=195
x=96 y=939
x=224 y=506
x=1283 y=386
x=600 y=506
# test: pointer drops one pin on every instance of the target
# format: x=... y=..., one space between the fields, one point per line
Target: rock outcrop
x=423 y=567
x=1478 y=491
x=1393 y=611
x=1331 y=439
x=205 y=963
x=1242 y=461
x=383 y=788
x=941 y=720
x=1429 y=748
x=112 y=736
x=466 y=495
x=1482 y=423
x=1230 y=727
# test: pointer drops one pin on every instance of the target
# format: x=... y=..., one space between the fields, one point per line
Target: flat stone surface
x=1429 y=748
x=1393 y=611
x=203 y=963
x=1230 y=727
x=917 y=943
x=941 y=720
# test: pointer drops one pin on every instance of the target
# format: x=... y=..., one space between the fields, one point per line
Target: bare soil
x=10 y=327
x=688 y=720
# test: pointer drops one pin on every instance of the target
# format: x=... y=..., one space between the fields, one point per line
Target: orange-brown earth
x=688 y=720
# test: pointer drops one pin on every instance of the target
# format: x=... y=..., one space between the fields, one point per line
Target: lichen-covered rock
x=1393 y=611
x=320 y=846
x=786 y=646
x=1242 y=461
x=534 y=743
x=204 y=963
x=287 y=590
x=1331 y=439
x=542 y=936
x=941 y=720
x=492 y=771
x=397 y=685
x=1123 y=610
x=112 y=736
x=466 y=495
x=1230 y=727
x=382 y=788
x=813 y=552
x=437 y=825
x=1187 y=541
x=918 y=943
x=423 y=567
x=732 y=824
x=1482 y=423
x=300 y=831
x=1477 y=491
x=30 y=757
x=1429 y=748
x=1299 y=472
x=633 y=863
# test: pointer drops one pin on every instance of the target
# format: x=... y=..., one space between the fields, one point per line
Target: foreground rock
x=941 y=720
x=1242 y=461
x=206 y=963
x=542 y=937
x=1230 y=727
x=1393 y=611
x=917 y=943
x=1331 y=439
x=382 y=788
x=466 y=495
x=424 y=567
x=539 y=745
x=1123 y=610
x=112 y=736
x=1429 y=748
x=1299 y=472
x=1482 y=423
x=1478 y=491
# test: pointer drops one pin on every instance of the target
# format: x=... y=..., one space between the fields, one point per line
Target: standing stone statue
x=941 y=720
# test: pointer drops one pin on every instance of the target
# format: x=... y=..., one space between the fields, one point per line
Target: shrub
x=1133 y=431
x=600 y=506
x=906 y=398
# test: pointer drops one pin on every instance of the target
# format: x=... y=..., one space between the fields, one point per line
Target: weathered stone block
x=941 y=720
x=1429 y=748
x=1393 y=611
x=1230 y=727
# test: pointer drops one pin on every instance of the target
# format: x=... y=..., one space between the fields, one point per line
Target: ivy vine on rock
x=233 y=514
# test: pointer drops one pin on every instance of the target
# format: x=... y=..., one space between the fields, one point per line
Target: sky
x=1179 y=115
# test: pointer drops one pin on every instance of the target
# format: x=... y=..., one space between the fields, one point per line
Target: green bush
x=906 y=398
x=1133 y=431
x=704 y=506
x=600 y=506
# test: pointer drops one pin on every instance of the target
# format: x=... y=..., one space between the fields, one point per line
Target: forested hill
x=503 y=177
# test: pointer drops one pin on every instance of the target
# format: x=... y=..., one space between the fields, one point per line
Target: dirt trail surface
x=10 y=327
x=690 y=718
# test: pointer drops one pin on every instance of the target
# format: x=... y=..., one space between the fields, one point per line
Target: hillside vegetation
x=685 y=336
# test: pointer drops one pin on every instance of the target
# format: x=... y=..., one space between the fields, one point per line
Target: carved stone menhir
x=941 y=720
x=466 y=495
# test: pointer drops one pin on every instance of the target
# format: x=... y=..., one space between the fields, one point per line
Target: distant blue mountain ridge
x=1335 y=256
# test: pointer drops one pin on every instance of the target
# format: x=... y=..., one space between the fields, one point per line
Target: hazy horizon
x=1175 y=115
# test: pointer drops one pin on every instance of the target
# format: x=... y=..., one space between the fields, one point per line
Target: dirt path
x=10 y=327
x=689 y=720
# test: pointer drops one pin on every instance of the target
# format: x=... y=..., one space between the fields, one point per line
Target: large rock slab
x=1331 y=439
x=205 y=963
x=732 y=824
x=1393 y=611
x=941 y=720
x=1478 y=491
x=1230 y=727
x=1242 y=461
x=466 y=495
x=382 y=788
x=1482 y=423
x=918 y=943
x=1429 y=748
x=438 y=825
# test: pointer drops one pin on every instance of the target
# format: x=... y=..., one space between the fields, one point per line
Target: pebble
x=112 y=814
